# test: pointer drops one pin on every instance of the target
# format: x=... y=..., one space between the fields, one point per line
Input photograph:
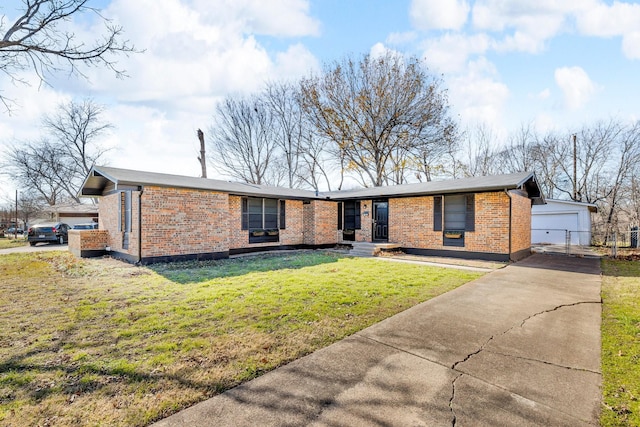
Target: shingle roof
x=463 y=185
x=100 y=176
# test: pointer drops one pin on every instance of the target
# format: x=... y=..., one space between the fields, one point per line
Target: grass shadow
x=202 y=271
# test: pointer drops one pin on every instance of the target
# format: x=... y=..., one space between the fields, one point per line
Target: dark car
x=13 y=230
x=90 y=226
x=55 y=232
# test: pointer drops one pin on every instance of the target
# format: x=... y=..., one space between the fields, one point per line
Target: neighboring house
x=72 y=213
x=150 y=217
x=559 y=220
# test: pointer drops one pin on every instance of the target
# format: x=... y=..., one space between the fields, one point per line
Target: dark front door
x=381 y=221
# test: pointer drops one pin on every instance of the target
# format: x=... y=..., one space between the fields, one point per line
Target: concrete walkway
x=518 y=347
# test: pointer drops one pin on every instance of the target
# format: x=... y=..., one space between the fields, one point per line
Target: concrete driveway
x=37 y=248
x=518 y=347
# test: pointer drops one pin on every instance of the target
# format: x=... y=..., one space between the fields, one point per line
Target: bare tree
x=244 y=146
x=378 y=112
x=480 y=151
x=282 y=101
x=56 y=165
x=35 y=167
x=315 y=160
x=38 y=41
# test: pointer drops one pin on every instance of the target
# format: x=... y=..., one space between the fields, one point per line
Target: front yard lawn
x=9 y=242
x=100 y=342
x=621 y=343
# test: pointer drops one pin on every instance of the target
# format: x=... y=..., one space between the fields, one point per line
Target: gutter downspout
x=510 y=218
x=141 y=191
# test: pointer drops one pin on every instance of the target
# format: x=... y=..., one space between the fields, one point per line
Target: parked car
x=12 y=230
x=55 y=232
x=89 y=226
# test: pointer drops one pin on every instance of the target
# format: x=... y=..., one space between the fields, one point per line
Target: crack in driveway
x=521 y=325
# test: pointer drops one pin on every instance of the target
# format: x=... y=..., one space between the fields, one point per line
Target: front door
x=380 y=221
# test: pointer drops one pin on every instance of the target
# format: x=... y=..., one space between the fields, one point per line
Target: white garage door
x=551 y=228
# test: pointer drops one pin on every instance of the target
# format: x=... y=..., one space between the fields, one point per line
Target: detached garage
x=551 y=222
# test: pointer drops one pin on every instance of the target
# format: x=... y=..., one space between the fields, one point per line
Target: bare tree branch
x=37 y=41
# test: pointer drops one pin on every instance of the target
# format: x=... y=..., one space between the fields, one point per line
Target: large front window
x=454 y=215
x=263 y=218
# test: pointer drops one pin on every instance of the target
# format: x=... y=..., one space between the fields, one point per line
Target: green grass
x=9 y=242
x=100 y=342
x=621 y=343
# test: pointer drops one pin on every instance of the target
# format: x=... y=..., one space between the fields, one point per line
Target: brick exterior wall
x=180 y=221
x=320 y=223
x=364 y=234
x=521 y=222
x=291 y=235
x=411 y=224
x=109 y=220
x=491 y=233
x=188 y=222
x=87 y=240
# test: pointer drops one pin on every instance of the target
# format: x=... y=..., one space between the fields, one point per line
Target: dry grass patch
x=88 y=342
x=10 y=242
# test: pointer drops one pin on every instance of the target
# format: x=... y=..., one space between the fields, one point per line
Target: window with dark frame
x=263 y=218
x=454 y=215
x=125 y=217
x=349 y=218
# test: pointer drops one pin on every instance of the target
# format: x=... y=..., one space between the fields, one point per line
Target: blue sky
x=551 y=64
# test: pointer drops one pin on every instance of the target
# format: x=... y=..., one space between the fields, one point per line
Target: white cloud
x=449 y=53
x=542 y=95
x=401 y=38
x=607 y=20
x=531 y=22
x=296 y=61
x=478 y=96
x=576 y=86
x=197 y=52
x=631 y=45
x=439 y=14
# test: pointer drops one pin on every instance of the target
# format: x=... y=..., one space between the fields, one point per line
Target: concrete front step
x=368 y=249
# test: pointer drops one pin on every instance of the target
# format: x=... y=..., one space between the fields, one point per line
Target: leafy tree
x=382 y=113
x=38 y=41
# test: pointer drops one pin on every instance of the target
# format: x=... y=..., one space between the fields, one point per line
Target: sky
x=553 y=65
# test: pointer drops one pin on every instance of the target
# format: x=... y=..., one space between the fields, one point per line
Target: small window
x=125 y=211
x=437 y=213
x=470 y=219
x=455 y=220
x=245 y=213
x=283 y=216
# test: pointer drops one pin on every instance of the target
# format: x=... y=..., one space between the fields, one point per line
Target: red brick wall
x=521 y=222
x=108 y=220
x=83 y=240
x=491 y=224
x=411 y=224
x=179 y=221
x=321 y=223
x=291 y=235
x=364 y=234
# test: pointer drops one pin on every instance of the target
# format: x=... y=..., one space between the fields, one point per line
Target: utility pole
x=575 y=170
x=203 y=160
x=15 y=229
